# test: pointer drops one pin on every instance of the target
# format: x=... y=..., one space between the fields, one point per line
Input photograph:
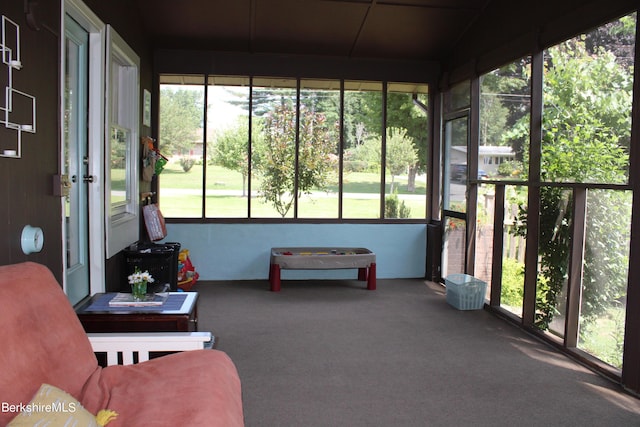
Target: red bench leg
x=371 y=280
x=274 y=277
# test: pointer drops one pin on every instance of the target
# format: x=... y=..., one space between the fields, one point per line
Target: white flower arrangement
x=140 y=276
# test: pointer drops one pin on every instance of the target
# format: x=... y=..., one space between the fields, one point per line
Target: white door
x=76 y=160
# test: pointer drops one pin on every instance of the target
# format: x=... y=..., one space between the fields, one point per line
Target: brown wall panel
x=26 y=190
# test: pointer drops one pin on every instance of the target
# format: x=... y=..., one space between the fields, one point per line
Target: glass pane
x=455 y=243
x=513 y=252
x=505 y=104
x=181 y=139
x=406 y=147
x=588 y=84
x=318 y=152
x=273 y=145
x=553 y=254
x=362 y=149
x=227 y=147
x=455 y=165
x=604 y=283
x=484 y=234
x=118 y=161
x=458 y=97
x=74 y=202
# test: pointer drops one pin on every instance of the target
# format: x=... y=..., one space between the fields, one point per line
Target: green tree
x=402 y=112
x=231 y=151
x=278 y=156
x=181 y=115
x=401 y=154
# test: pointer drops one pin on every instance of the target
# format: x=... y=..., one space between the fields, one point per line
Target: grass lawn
x=605 y=337
x=181 y=196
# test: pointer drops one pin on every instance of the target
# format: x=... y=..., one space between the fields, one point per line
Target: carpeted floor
x=331 y=353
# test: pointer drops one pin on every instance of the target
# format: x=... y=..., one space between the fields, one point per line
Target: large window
x=570 y=186
x=265 y=147
x=584 y=229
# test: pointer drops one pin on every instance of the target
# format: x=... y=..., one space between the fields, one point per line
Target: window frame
x=122 y=219
x=343 y=85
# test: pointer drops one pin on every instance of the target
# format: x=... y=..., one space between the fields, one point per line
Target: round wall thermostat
x=32 y=239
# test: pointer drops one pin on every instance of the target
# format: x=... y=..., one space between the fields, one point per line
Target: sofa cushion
x=193 y=388
x=42 y=338
x=52 y=406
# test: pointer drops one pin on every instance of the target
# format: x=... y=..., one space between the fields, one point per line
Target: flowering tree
x=277 y=164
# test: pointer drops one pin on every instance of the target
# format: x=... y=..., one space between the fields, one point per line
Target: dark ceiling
x=380 y=29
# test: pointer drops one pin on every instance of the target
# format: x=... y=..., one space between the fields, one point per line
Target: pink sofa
x=43 y=342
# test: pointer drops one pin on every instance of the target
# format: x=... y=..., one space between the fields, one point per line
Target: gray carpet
x=327 y=353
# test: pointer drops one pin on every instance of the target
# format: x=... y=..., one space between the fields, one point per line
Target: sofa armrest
x=141 y=343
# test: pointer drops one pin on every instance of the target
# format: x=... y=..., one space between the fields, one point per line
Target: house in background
x=372 y=46
x=489 y=157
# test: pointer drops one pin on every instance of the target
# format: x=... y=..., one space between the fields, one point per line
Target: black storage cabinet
x=159 y=259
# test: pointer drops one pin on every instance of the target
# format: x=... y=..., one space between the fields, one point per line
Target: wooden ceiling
x=377 y=29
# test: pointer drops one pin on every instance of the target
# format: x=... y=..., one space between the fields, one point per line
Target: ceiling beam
x=361 y=29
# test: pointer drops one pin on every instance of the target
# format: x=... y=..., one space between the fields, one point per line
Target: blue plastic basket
x=465 y=292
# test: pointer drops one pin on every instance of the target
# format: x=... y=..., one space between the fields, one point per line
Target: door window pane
x=505 y=104
x=454 y=248
x=455 y=166
x=458 y=97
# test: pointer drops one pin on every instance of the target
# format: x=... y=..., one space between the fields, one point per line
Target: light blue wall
x=241 y=251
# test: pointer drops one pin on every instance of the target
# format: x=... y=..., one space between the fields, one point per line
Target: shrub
x=512 y=283
x=395 y=208
x=187 y=163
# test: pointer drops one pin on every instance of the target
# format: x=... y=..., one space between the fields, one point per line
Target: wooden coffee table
x=179 y=313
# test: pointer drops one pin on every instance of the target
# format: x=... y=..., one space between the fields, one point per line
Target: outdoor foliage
x=231 y=149
x=395 y=208
x=512 y=291
x=187 y=163
x=401 y=154
x=278 y=156
x=181 y=113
